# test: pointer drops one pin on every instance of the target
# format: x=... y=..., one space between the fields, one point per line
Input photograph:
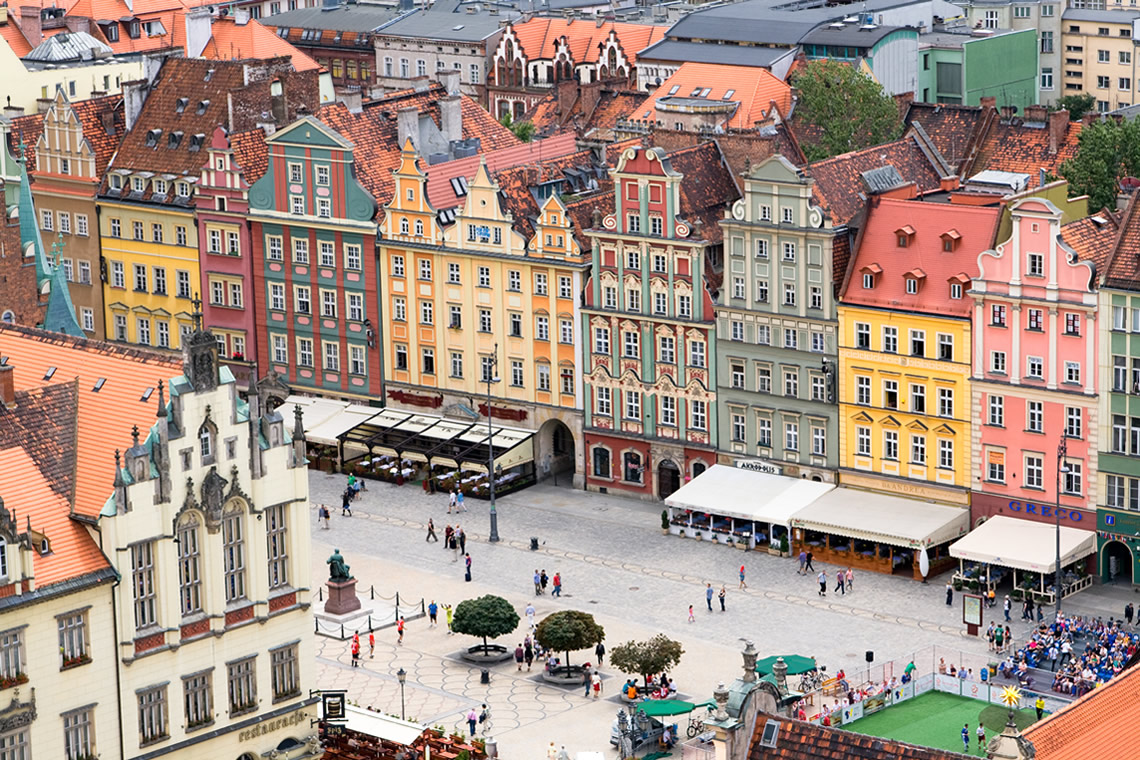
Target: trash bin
x=534 y=543
x=491 y=747
x=485 y=676
x=993 y=666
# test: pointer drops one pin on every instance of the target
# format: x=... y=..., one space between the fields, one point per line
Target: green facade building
x=964 y=68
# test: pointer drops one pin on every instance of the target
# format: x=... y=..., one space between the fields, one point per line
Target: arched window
x=601 y=462
x=206 y=444
x=631 y=467
x=189 y=576
x=8 y=317
x=419 y=226
x=403 y=226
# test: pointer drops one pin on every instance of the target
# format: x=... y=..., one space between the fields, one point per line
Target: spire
x=200 y=354
x=29 y=224
x=298 y=428
x=60 y=313
x=118 y=470
x=161 y=402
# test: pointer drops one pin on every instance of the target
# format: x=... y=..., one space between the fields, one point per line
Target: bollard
x=485 y=676
x=370 y=624
x=342 y=636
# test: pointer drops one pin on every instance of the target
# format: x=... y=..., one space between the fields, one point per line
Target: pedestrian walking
x=1039 y=705
x=528 y=652
x=808 y=566
x=485 y=719
x=346 y=503
x=721 y=597
x=691 y=618
x=400 y=631
x=1129 y=611
x=530 y=615
x=557 y=584
x=467 y=563
x=803 y=562
x=472 y=719
x=822 y=583
x=709 y=596
x=981 y=736
x=1053 y=658
x=543 y=579
x=600 y=652
x=454 y=548
x=1007 y=605
x=589 y=681
x=371 y=645
x=462 y=538
x=431 y=536
x=451 y=501
x=323 y=519
x=356 y=653
x=551 y=752
x=447 y=614
x=840 y=583
x=433 y=610
x=448 y=532
x=537 y=582
x=597 y=679
x=519 y=657
x=850 y=579
x=966 y=737
x=460 y=507
x=949 y=593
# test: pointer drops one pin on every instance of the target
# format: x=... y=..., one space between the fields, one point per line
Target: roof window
x=196 y=142
x=99 y=385
x=49 y=373
x=202 y=106
x=950 y=240
x=180 y=105
x=146 y=394
x=904 y=235
x=152 y=136
x=674 y=88
x=728 y=94
x=174 y=140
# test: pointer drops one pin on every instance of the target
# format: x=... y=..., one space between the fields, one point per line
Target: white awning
x=382 y=726
x=1023 y=544
x=885 y=519
x=747 y=495
x=347 y=418
x=314 y=411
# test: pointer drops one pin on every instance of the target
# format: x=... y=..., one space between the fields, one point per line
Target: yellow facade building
x=477 y=300
x=904 y=349
x=1099 y=53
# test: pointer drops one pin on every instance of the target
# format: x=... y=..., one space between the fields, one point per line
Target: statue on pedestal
x=338 y=570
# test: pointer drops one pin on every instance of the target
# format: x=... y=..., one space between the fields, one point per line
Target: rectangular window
x=764 y=432
x=764 y=379
x=863 y=390
x=12 y=662
x=684 y=307
x=633 y=300
x=300 y=251
x=1072 y=323
x=81 y=224
x=427 y=360
x=78 y=735
x=328 y=303
x=65 y=222
x=791 y=383
x=945 y=453
x=1034 y=367
x=1073 y=415
x=156 y=233
x=631 y=345
x=142 y=584
x=427 y=312
x=285 y=680
x=863 y=336
x=276 y=296
x=761 y=249
x=995 y=470
x=918 y=399
x=273 y=248
x=891 y=394
x=197 y=693
x=945 y=402
x=792 y=436
x=1072 y=480
x=456 y=364
x=327 y=253
x=669 y=411
x=602 y=397
x=997 y=411
x=152 y=715
x=997 y=361
x=918 y=449
x=332 y=356
x=1035 y=320
x=277 y=545
x=241 y=685
x=539 y=283
x=816 y=301
x=1072 y=372
x=542 y=328
x=233 y=543
x=997 y=315
x=355 y=306
x=633 y=405
x=1115 y=491
x=397 y=266
x=918 y=342
x=863 y=441
x=566 y=331
x=1035 y=417
x=189 y=577
x=738 y=427
x=85 y=272
x=818 y=388
x=789 y=251
x=891 y=444
x=891 y=340
x=791 y=338
x=484 y=274
x=305 y=352
x=88 y=318
x=698 y=415
x=818 y=442
x=516 y=373
x=696 y=353
x=763 y=335
x=302 y=299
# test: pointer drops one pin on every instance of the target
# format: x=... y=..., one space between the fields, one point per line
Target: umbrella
x=658 y=708
x=796 y=663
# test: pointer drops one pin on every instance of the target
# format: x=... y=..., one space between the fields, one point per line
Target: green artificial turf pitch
x=935 y=720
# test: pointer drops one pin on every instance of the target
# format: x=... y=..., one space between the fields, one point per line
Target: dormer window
x=868 y=281
x=202 y=106
x=174 y=140
x=957 y=285
x=950 y=240
x=160 y=187
x=904 y=236
x=182 y=189
x=180 y=105
x=870 y=274
x=138 y=184
x=914 y=279
x=116 y=181
x=152 y=137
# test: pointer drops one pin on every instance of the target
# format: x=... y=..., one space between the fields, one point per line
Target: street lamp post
x=402 y=676
x=489 y=378
x=1062 y=468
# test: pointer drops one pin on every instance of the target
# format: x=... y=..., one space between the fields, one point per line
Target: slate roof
x=878 y=245
x=1025 y=150
x=538 y=37
x=799 y=740
x=754 y=89
x=43 y=425
x=1123 y=270
x=839 y=187
x=91 y=114
x=345 y=17
x=105 y=415
x=1105 y=723
x=438 y=24
x=701 y=52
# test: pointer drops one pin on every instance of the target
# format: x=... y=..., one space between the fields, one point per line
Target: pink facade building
x=1035 y=369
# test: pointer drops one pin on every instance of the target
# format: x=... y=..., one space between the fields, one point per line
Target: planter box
x=775 y=551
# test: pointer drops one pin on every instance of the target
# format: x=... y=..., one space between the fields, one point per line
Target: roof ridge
x=86 y=344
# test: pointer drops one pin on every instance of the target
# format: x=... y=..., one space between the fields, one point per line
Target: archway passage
x=556 y=453
x=668 y=478
x=1116 y=563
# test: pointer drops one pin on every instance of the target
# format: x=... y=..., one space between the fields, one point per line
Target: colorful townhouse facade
x=221 y=205
x=313 y=238
x=1034 y=370
x=777 y=328
x=477 y=300
x=905 y=348
x=651 y=391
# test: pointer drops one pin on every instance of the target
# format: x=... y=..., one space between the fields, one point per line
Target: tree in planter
x=643 y=658
x=664 y=519
x=568 y=631
x=486 y=617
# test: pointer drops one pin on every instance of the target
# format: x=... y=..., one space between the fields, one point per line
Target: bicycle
x=696 y=725
x=810 y=681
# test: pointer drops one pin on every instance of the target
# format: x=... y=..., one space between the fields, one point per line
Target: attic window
x=705 y=92
x=870 y=272
x=202 y=106
x=728 y=94
x=99 y=385
x=338 y=37
x=146 y=394
x=950 y=240
x=181 y=104
x=914 y=279
x=49 y=373
x=196 y=142
x=904 y=236
x=209 y=76
x=696 y=92
x=152 y=136
x=771 y=733
x=282 y=31
x=459 y=185
x=174 y=140
x=673 y=89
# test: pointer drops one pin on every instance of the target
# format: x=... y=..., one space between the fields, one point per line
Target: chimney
x=1007 y=113
x=3 y=15
x=989 y=101
x=449 y=78
x=1036 y=113
x=11 y=112
x=134 y=95
x=241 y=16
x=353 y=100
x=198 y=22
x=1058 y=126
x=450 y=118
x=1092 y=117
x=408 y=126
x=7 y=386
x=43 y=104
x=31 y=24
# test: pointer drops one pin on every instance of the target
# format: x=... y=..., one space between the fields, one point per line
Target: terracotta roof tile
x=955 y=130
x=799 y=740
x=233 y=41
x=839 y=185
x=741 y=149
x=538 y=37
x=91 y=114
x=106 y=415
x=252 y=153
x=1123 y=270
x=587 y=115
x=14 y=37
x=754 y=89
x=707 y=188
x=1094 y=237
x=1105 y=723
x=43 y=425
x=29 y=495
x=1026 y=150
x=924 y=254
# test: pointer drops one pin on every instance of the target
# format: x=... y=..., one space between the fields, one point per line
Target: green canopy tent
x=660 y=708
x=797 y=664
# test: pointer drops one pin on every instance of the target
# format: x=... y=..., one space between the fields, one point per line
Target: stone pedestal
x=342 y=597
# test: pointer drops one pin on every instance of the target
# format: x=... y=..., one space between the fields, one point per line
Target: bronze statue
x=338 y=570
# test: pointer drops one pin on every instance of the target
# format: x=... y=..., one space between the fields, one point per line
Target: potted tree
x=642 y=658
x=664 y=522
x=486 y=617
x=568 y=631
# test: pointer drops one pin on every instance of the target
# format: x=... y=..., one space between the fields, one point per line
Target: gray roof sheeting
x=68 y=46
x=851 y=34
x=707 y=52
x=781 y=22
x=437 y=25
x=1112 y=17
x=346 y=18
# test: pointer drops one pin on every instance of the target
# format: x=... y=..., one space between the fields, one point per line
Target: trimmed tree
x=843 y=108
x=1107 y=151
x=486 y=617
x=657 y=655
x=569 y=631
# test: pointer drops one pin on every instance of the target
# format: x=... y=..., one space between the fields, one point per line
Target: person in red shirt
x=400 y=630
x=355 y=651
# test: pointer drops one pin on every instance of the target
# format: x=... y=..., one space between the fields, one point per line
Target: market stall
x=743 y=507
x=874 y=531
x=1029 y=548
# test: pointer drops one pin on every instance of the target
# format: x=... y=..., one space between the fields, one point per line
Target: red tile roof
x=1105 y=723
x=955 y=130
x=754 y=89
x=924 y=258
x=799 y=740
x=232 y=41
x=252 y=154
x=707 y=188
x=538 y=37
x=1095 y=237
x=106 y=415
x=1123 y=269
x=43 y=424
x=91 y=114
x=742 y=150
x=1026 y=150
x=587 y=115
